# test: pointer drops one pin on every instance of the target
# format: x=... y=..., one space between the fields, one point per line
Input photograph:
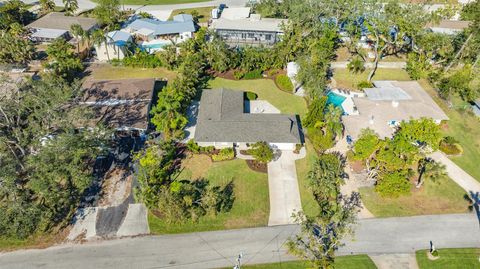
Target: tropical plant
x=47 y=5
x=262 y=152
x=62 y=60
x=356 y=65
x=429 y=169
x=77 y=31
x=70 y=6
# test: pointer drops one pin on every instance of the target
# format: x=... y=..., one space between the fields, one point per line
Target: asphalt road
x=259 y=245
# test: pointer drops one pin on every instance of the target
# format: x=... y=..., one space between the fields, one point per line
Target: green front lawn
x=204 y=13
x=342 y=262
x=159 y=2
x=266 y=90
x=347 y=80
x=251 y=205
x=107 y=71
x=450 y=258
x=441 y=197
x=309 y=205
x=464 y=127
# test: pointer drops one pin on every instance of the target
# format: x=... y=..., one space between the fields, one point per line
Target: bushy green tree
x=14 y=11
x=62 y=60
x=47 y=5
x=393 y=184
x=46 y=163
x=366 y=145
x=108 y=13
x=458 y=83
x=262 y=152
x=70 y=6
x=15 y=48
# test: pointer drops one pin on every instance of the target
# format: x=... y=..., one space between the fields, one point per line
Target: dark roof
x=221 y=118
x=121 y=103
x=57 y=20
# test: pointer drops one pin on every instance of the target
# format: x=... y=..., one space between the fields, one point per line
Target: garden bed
x=257 y=166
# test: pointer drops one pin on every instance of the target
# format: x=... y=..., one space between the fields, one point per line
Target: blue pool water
x=154 y=46
x=335 y=99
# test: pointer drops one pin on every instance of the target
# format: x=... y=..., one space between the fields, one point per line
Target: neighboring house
x=120 y=104
x=238 y=27
x=177 y=30
x=222 y=122
x=56 y=25
x=116 y=47
x=476 y=107
x=449 y=27
x=389 y=103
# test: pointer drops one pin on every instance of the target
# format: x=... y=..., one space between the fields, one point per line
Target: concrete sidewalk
x=283 y=189
x=457 y=174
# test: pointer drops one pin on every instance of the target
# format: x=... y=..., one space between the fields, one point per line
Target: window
x=268 y=37
x=244 y=36
x=251 y=35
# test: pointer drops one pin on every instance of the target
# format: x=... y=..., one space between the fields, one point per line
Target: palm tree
x=98 y=37
x=47 y=5
x=429 y=169
x=78 y=32
x=333 y=119
x=70 y=6
x=356 y=65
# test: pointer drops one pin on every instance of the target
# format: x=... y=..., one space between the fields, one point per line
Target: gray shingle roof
x=163 y=27
x=221 y=118
x=57 y=20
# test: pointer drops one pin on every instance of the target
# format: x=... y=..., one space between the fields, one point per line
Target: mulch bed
x=257 y=166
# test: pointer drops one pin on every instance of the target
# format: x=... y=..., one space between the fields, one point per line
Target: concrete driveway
x=283 y=189
x=457 y=174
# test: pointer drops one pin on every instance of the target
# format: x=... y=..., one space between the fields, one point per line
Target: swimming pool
x=154 y=46
x=335 y=99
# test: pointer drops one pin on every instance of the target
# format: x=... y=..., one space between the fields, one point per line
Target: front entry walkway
x=283 y=189
x=457 y=174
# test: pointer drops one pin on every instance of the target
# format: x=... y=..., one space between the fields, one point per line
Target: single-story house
x=116 y=48
x=57 y=25
x=389 y=103
x=449 y=27
x=476 y=107
x=122 y=104
x=222 y=122
x=242 y=28
x=179 y=29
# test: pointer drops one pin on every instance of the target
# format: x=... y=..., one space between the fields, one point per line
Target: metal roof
x=163 y=27
x=119 y=36
x=183 y=17
x=221 y=118
x=48 y=33
x=249 y=24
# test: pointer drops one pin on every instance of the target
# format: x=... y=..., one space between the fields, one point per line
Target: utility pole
x=239 y=261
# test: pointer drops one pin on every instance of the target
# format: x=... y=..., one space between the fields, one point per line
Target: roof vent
x=395 y=103
x=371 y=120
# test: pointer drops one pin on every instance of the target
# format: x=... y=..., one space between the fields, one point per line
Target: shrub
x=193 y=146
x=253 y=74
x=284 y=83
x=262 y=152
x=272 y=72
x=208 y=149
x=364 y=84
x=451 y=148
x=238 y=74
x=251 y=96
x=321 y=141
x=298 y=147
x=393 y=184
x=223 y=155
